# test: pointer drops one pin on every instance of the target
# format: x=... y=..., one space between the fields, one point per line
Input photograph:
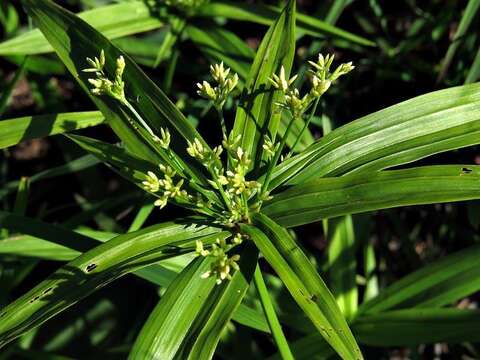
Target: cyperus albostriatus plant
x=243 y=196
x=234 y=197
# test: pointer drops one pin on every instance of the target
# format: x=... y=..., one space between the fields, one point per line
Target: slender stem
x=172 y=64
x=177 y=26
x=172 y=156
x=206 y=109
x=271 y=316
x=245 y=205
x=139 y=117
x=274 y=161
x=226 y=200
x=224 y=196
x=222 y=122
x=315 y=105
x=175 y=158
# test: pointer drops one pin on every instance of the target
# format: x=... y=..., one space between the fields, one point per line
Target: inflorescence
x=228 y=196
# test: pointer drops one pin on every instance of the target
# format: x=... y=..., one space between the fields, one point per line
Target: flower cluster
x=322 y=79
x=102 y=85
x=225 y=85
x=235 y=190
x=165 y=188
x=227 y=194
x=222 y=263
x=270 y=147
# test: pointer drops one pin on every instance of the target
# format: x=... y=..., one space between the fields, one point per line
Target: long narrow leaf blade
x=469 y=14
x=266 y=15
x=13 y=131
x=304 y=284
x=330 y=197
x=438 y=284
x=342 y=264
x=96 y=268
x=426 y=125
x=407 y=327
x=188 y=320
x=113 y=21
x=418 y=326
x=255 y=115
x=74 y=40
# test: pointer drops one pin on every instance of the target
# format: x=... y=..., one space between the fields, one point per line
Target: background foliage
x=57 y=202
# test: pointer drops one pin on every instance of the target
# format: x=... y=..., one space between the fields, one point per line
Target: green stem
x=226 y=200
x=172 y=64
x=139 y=117
x=274 y=161
x=172 y=156
x=271 y=316
x=222 y=122
x=177 y=25
x=314 y=109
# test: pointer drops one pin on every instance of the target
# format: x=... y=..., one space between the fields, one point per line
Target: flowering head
x=281 y=82
x=223 y=263
x=226 y=83
x=322 y=79
x=102 y=85
x=225 y=192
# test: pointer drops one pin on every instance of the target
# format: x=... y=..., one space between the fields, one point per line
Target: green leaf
x=418 y=326
x=461 y=32
x=51 y=242
x=309 y=347
x=191 y=315
x=331 y=197
x=298 y=124
x=21 y=200
x=78 y=164
x=96 y=268
x=400 y=328
x=369 y=272
x=127 y=165
x=7 y=91
x=266 y=15
x=271 y=316
x=13 y=131
x=426 y=125
x=74 y=41
x=54 y=233
x=474 y=71
x=222 y=45
x=256 y=115
x=29 y=246
x=440 y=283
x=142 y=216
x=303 y=283
x=113 y=21
x=342 y=264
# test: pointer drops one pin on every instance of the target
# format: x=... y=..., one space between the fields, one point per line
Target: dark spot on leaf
x=3 y=314
x=47 y=291
x=466 y=170
x=313 y=298
x=91 y=267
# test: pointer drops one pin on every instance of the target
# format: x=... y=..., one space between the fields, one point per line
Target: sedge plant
x=241 y=196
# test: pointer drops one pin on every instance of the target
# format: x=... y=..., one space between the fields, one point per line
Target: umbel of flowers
x=234 y=197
